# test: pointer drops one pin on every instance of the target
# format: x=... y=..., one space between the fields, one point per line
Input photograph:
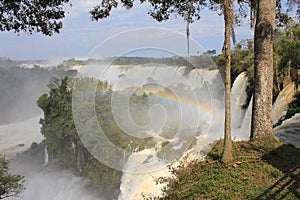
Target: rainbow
x=159 y=92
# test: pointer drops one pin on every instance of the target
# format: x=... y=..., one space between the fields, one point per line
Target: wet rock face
x=74 y=157
x=35 y=154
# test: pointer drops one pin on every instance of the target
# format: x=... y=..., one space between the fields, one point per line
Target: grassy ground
x=257 y=173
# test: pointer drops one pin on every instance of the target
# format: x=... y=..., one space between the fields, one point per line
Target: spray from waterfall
x=63 y=185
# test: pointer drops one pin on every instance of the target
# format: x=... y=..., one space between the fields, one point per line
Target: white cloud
x=88 y=4
x=80 y=7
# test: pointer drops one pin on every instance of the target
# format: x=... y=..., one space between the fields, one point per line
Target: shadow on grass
x=286 y=158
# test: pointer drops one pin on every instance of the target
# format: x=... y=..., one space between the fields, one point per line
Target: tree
x=29 y=16
x=189 y=11
x=261 y=126
x=265 y=12
x=288 y=51
x=11 y=185
x=228 y=19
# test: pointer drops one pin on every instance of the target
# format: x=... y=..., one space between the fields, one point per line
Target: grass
x=257 y=173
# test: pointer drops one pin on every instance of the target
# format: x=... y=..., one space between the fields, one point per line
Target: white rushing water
x=289 y=130
x=246 y=124
x=283 y=99
x=138 y=177
x=46 y=156
x=238 y=99
x=240 y=116
x=135 y=184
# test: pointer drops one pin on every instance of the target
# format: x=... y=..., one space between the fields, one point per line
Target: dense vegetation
x=11 y=185
x=286 y=59
x=199 y=61
x=259 y=172
x=64 y=145
x=58 y=129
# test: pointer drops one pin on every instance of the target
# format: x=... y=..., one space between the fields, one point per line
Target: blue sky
x=80 y=34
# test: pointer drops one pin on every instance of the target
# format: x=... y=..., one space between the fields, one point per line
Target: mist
x=62 y=185
x=181 y=115
x=21 y=84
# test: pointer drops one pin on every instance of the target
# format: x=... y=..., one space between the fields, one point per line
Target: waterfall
x=46 y=156
x=283 y=99
x=289 y=130
x=138 y=177
x=238 y=100
x=142 y=168
x=135 y=182
x=197 y=77
x=246 y=124
x=138 y=174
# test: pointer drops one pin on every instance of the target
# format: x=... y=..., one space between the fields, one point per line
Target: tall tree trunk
x=261 y=126
x=228 y=15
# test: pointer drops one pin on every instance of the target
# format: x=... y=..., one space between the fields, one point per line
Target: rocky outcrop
x=34 y=155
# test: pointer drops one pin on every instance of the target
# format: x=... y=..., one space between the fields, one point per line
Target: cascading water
x=284 y=98
x=134 y=182
x=246 y=124
x=46 y=156
x=238 y=101
x=64 y=186
x=134 y=185
x=289 y=130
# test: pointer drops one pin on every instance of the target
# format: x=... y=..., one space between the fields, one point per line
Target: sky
x=80 y=35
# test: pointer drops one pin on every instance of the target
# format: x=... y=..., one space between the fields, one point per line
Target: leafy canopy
x=29 y=16
x=11 y=185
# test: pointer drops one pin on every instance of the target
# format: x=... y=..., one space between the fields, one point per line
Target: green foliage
x=242 y=60
x=286 y=45
x=287 y=52
x=64 y=145
x=11 y=185
x=30 y=16
x=196 y=61
x=257 y=174
x=161 y=10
